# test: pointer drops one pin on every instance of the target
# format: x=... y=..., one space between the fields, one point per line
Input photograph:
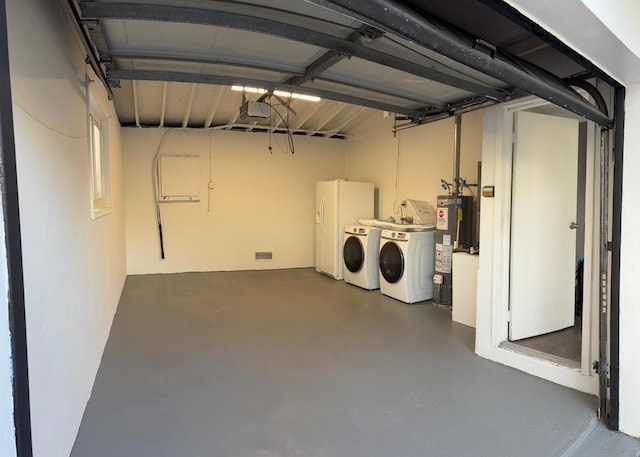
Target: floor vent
x=264 y=256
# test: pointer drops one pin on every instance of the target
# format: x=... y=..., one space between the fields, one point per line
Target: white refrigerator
x=338 y=203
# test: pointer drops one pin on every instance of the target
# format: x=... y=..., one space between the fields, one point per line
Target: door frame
x=12 y=263
x=495 y=240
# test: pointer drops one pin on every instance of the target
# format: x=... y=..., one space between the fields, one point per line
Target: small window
x=99 y=148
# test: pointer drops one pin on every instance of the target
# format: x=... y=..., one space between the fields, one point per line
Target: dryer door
x=353 y=253
x=391 y=262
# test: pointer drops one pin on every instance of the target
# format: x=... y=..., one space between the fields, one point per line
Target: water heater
x=454 y=231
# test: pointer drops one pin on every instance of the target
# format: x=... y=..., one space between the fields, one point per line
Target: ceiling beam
x=136 y=109
x=395 y=18
x=214 y=108
x=307 y=116
x=152 y=75
x=187 y=108
x=151 y=12
x=256 y=66
x=163 y=106
x=348 y=120
x=329 y=118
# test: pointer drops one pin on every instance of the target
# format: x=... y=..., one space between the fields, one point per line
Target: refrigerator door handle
x=322 y=216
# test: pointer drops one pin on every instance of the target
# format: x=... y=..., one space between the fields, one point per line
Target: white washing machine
x=406 y=263
x=360 y=253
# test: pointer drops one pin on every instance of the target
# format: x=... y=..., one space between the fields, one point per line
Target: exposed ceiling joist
x=136 y=109
x=163 y=106
x=187 y=108
x=394 y=18
x=214 y=108
x=151 y=75
x=309 y=115
x=202 y=16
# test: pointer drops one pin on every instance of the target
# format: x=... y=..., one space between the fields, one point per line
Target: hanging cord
x=156 y=179
x=291 y=145
x=396 y=206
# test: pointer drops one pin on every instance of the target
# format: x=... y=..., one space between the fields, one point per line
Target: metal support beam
x=150 y=75
x=220 y=18
x=330 y=58
x=92 y=59
x=100 y=42
x=392 y=17
x=388 y=92
x=616 y=231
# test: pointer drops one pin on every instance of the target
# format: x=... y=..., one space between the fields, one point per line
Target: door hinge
x=609 y=246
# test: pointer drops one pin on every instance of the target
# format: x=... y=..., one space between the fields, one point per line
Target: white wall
x=621 y=20
x=261 y=201
x=426 y=156
x=630 y=271
x=74 y=267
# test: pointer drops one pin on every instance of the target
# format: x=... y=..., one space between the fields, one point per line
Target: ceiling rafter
x=308 y=116
x=152 y=75
x=329 y=118
x=136 y=108
x=187 y=108
x=205 y=16
x=163 y=106
x=349 y=119
x=214 y=107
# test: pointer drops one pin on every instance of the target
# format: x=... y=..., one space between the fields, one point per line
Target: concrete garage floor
x=290 y=363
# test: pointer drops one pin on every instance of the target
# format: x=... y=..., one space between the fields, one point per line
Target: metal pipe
x=456 y=156
x=593 y=91
x=392 y=17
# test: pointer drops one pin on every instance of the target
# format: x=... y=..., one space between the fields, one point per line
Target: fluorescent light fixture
x=279 y=93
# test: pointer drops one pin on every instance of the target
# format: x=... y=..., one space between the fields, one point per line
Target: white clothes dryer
x=407 y=264
x=360 y=254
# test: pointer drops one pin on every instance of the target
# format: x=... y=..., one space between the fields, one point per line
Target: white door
x=543 y=207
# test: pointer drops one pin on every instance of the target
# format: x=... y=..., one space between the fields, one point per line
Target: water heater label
x=442 y=221
x=443 y=258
